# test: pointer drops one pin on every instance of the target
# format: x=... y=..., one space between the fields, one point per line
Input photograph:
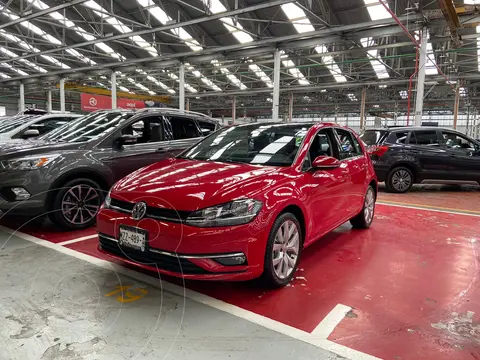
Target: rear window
x=373 y=137
x=426 y=138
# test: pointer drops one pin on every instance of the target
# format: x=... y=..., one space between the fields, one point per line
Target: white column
x=234 y=109
x=422 y=62
x=276 y=85
x=113 y=81
x=62 y=95
x=456 y=105
x=21 y=101
x=362 y=109
x=290 y=108
x=49 y=101
x=181 y=91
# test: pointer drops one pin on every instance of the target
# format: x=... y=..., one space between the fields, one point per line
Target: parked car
x=65 y=172
x=31 y=126
x=408 y=155
x=242 y=203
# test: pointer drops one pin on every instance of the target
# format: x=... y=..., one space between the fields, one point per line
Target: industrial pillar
x=62 y=95
x=181 y=76
x=187 y=105
x=234 y=109
x=456 y=105
x=21 y=101
x=276 y=85
x=114 y=90
x=290 y=108
x=362 y=108
x=422 y=62
x=49 y=101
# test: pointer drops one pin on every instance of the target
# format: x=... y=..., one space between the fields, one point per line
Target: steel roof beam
x=42 y=13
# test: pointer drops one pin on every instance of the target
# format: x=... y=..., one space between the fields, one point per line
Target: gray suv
x=65 y=173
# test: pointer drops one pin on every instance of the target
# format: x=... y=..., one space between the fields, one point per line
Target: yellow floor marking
x=128 y=293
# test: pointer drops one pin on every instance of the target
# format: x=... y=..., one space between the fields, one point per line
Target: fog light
x=233 y=260
x=21 y=193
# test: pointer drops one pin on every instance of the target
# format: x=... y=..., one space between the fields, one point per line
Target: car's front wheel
x=76 y=204
x=283 y=251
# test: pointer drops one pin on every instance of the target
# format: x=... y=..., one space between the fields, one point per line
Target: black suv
x=403 y=156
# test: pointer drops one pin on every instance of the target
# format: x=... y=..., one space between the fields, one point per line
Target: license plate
x=134 y=238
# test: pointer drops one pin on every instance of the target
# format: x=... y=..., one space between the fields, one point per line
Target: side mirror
x=325 y=163
x=30 y=133
x=127 y=139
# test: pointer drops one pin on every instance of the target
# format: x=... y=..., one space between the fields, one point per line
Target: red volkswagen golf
x=242 y=203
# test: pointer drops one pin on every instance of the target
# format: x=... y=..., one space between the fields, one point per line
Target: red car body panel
x=326 y=199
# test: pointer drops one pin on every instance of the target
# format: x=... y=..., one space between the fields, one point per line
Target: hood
x=19 y=148
x=191 y=185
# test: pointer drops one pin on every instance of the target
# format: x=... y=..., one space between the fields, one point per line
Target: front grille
x=153 y=212
x=164 y=262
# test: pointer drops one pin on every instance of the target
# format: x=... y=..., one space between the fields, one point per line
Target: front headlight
x=28 y=163
x=108 y=200
x=237 y=212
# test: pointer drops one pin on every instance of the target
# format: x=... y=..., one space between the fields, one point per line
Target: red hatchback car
x=242 y=203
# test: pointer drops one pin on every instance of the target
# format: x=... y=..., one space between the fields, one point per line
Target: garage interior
x=408 y=288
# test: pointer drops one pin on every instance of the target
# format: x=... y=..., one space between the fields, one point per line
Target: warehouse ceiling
x=331 y=50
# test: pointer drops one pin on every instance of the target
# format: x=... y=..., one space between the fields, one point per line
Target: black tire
x=361 y=220
x=63 y=218
x=399 y=180
x=269 y=277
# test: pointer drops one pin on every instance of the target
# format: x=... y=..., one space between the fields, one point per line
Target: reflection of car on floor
x=32 y=126
x=64 y=172
x=242 y=203
x=408 y=155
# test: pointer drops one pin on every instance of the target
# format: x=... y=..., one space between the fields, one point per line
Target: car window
x=45 y=126
x=14 y=122
x=147 y=130
x=259 y=144
x=206 y=128
x=457 y=142
x=348 y=147
x=177 y=128
x=322 y=145
x=373 y=137
x=398 y=137
x=425 y=138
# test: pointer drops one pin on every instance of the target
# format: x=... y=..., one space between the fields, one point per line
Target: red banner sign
x=91 y=102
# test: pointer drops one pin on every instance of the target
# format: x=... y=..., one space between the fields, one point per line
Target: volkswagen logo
x=139 y=210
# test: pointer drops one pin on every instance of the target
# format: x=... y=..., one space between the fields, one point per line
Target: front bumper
x=184 y=251
x=35 y=182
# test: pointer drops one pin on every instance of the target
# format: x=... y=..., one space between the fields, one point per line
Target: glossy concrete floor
x=408 y=288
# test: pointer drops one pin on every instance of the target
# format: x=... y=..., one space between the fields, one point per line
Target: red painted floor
x=406 y=278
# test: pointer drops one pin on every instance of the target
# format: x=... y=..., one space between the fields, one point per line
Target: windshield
x=261 y=144
x=13 y=123
x=372 y=137
x=89 y=127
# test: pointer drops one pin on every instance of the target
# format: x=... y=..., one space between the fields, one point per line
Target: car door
x=148 y=149
x=356 y=164
x=463 y=156
x=430 y=158
x=326 y=190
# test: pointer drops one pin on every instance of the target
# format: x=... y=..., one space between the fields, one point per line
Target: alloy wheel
x=369 y=207
x=401 y=180
x=285 y=249
x=80 y=204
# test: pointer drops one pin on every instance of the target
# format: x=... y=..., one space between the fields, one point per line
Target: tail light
x=378 y=150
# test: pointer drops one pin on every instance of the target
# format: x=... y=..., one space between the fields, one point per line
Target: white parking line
x=330 y=322
x=73 y=241
x=319 y=340
x=427 y=209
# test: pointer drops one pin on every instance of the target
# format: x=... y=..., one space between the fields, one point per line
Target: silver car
x=66 y=173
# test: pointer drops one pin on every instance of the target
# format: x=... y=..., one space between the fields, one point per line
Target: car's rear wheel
x=399 y=180
x=364 y=219
x=76 y=204
x=283 y=251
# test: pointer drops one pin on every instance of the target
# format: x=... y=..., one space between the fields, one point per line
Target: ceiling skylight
x=376 y=10
x=25 y=61
x=375 y=59
x=260 y=74
x=232 y=78
x=18 y=71
x=302 y=24
x=5 y=76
